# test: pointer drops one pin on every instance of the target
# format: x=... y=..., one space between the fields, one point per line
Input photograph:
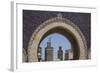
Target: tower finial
x=49 y=42
x=49 y=39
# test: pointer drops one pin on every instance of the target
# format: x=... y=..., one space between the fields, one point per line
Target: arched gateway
x=64 y=27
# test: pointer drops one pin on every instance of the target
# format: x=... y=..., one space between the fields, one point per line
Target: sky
x=56 y=41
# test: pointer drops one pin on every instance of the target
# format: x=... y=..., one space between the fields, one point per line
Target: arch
x=62 y=26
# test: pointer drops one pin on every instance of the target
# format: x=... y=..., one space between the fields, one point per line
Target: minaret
x=60 y=53
x=49 y=51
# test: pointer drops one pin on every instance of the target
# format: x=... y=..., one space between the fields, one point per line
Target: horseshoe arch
x=59 y=25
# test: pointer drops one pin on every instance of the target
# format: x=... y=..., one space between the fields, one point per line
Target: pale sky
x=56 y=41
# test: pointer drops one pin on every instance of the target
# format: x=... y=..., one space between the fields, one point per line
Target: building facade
x=69 y=54
x=66 y=55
